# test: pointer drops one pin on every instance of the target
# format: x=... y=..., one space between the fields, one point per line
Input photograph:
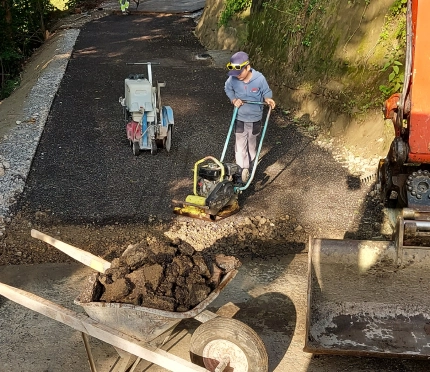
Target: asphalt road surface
x=84 y=170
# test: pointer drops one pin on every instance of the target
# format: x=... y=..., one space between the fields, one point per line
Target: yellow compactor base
x=195 y=211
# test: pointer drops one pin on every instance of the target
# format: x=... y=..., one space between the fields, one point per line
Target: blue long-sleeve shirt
x=256 y=89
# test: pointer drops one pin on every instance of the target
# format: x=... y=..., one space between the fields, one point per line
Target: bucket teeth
x=367 y=178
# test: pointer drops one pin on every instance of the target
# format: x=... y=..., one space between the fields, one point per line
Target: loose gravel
x=18 y=147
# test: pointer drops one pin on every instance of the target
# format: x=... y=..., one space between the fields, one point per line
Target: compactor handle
x=256 y=103
x=233 y=119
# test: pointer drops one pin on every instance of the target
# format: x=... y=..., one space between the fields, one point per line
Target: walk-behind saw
x=215 y=186
x=149 y=125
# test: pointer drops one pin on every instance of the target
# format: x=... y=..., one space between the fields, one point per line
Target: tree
x=23 y=26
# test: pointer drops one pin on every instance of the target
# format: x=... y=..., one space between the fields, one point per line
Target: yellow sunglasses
x=233 y=66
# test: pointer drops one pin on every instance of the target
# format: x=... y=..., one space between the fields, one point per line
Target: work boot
x=237 y=179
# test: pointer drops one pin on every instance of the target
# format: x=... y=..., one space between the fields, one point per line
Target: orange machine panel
x=419 y=123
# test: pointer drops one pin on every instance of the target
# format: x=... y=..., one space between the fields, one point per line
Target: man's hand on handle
x=237 y=102
x=270 y=102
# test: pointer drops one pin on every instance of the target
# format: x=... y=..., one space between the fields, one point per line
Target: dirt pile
x=165 y=275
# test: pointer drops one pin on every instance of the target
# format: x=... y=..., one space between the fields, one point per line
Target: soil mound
x=165 y=275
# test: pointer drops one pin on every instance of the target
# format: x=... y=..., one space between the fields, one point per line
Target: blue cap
x=237 y=59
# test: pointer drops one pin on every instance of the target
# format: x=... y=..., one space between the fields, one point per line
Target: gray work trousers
x=246 y=142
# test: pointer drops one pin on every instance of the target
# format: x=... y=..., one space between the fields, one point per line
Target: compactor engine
x=209 y=175
x=215 y=183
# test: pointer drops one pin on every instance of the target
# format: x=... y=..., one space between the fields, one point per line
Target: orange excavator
x=367 y=297
x=404 y=174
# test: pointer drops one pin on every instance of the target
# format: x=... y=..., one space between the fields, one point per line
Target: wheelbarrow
x=218 y=344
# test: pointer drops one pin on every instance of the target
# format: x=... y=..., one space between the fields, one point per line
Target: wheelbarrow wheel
x=136 y=148
x=228 y=339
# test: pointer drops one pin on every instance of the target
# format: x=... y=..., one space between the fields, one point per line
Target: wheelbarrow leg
x=133 y=367
x=89 y=353
x=227 y=310
x=126 y=361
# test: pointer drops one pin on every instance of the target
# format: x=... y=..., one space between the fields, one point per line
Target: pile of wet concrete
x=165 y=275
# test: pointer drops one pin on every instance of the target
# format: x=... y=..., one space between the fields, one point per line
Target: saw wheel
x=231 y=341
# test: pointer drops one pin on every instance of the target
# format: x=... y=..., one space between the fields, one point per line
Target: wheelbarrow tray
x=142 y=322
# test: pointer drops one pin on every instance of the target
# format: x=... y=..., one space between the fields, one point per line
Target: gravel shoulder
x=24 y=115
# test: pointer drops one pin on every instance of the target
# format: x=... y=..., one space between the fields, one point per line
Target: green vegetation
x=395 y=78
x=395 y=20
x=60 y=4
x=399 y=7
x=24 y=26
x=231 y=8
x=325 y=48
x=293 y=29
x=22 y=29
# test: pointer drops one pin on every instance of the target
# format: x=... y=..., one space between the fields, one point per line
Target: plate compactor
x=215 y=186
x=149 y=125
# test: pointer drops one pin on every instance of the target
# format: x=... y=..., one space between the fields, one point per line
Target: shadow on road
x=273 y=316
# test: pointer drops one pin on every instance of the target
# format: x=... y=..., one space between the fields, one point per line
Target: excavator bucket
x=362 y=302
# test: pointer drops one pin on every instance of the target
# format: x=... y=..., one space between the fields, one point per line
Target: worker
x=246 y=84
x=124 y=4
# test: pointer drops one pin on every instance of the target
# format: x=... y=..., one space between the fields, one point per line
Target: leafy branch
x=231 y=8
x=395 y=78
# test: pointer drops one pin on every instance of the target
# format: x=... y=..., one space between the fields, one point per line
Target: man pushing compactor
x=246 y=84
x=217 y=183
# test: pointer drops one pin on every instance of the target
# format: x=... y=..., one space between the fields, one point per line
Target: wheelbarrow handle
x=88 y=259
x=93 y=328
